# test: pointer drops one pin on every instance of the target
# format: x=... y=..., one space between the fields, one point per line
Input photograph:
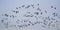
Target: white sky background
x=7 y=5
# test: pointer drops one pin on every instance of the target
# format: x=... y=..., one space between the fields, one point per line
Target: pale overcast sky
x=8 y=6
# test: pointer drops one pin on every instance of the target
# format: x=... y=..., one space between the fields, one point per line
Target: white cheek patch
x=31 y=15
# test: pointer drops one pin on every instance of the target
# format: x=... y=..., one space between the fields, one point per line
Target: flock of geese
x=33 y=17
